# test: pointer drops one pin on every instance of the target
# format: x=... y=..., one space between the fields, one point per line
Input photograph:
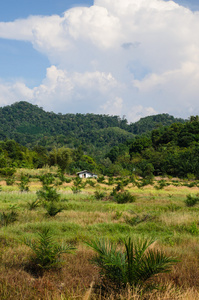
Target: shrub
x=143 y=182
x=67 y=179
x=8 y=218
x=7 y=171
x=90 y=182
x=191 y=200
x=53 y=209
x=46 y=253
x=133 y=221
x=161 y=184
x=47 y=179
x=24 y=181
x=110 y=181
x=10 y=180
x=99 y=195
x=34 y=204
x=123 y=197
x=101 y=179
x=135 y=266
x=48 y=193
x=75 y=189
x=77 y=185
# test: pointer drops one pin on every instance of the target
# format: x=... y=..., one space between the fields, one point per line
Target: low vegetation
x=45 y=238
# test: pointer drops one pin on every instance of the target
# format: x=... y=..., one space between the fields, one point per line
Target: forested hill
x=171 y=150
x=30 y=125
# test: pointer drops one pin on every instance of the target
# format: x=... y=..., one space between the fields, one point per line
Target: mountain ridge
x=30 y=125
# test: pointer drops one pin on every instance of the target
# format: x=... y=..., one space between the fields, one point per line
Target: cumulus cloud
x=119 y=57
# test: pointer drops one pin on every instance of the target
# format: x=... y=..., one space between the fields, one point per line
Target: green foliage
x=78 y=185
x=75 y=189
x=99 y=195
x=48 y=193
x=8 y=218
x=110 y=181
x=60 y=157
x=47 y=179
x=161 y=184
x=143 y=182
x=24 y=182
x=33 y=204
x=136 y=265
x=52 y=209
x=10 y=180
x=137 y=219
x=46 y=252
x=7 y=171
x=101 y=179
x=90 y=182
x=191 y=200
x=62 y=177
x=123 y=197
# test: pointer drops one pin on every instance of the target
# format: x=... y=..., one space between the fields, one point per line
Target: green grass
x=174 y=225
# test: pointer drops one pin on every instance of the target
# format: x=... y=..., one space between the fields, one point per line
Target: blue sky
x=20 y=59
x=124 y=57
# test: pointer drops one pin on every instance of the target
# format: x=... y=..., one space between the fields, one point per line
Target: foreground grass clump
x=191 y=200
x=135 y=265
x=46 y=253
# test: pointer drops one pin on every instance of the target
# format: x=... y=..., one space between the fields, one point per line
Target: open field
x=160 y=214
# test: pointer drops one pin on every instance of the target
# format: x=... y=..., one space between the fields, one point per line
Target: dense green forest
x=108 y=145
x=30 y=126
x=171 y=150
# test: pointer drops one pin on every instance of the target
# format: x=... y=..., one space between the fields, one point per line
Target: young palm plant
x=46 y=252
x=52 y=209
x=135 y=265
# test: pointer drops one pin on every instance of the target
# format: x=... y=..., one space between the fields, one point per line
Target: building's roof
x=85 y=171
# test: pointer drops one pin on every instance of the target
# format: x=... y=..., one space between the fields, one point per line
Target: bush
x=7 y=171
x=99 y=195
x=137 y=219
x=46 y=253
x=8 y=218
x=10 y=180
x=48 y=193
x=135 y=266
x=24 y=181
x=101 y=179
x=34 y=204
x=90 y=182
x=47 y=179
x=75 y=189
x=53 y=209
x=123 y=197
x=191 y=200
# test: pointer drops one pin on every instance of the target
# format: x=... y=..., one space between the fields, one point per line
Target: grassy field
x=160 y=214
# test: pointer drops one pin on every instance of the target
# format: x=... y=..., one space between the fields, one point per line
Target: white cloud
x=125 y=57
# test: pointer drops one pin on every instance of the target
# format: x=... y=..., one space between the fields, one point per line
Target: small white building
x=86 y=174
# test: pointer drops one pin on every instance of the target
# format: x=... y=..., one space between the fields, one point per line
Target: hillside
x=171 y=150
x=30 y=125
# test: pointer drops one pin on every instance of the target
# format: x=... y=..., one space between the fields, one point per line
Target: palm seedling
x=52 y=209
x=46 y=252
x=34 y=204
x=8 y=218
x=136 y=265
